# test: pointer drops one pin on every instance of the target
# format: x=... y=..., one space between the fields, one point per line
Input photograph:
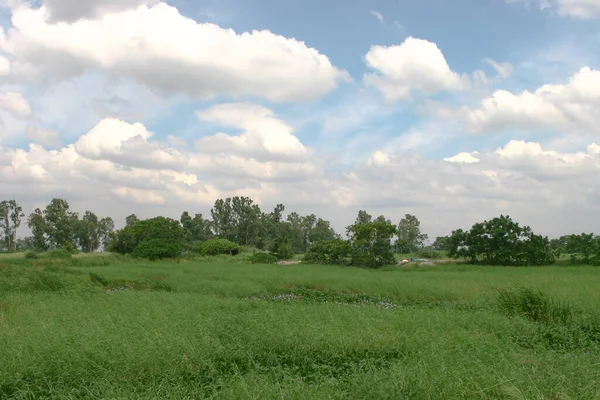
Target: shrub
x=281 y=249
x=59 y=253
x=429 y=253
x=155 y=249
x=32 y=255
x=533 y=305
x=328 y=252
x=215 y=247
x=262 y=258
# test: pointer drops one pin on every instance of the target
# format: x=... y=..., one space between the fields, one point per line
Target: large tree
x=501 y=241
x=371 y=241
x=11 y=214
x=61 y=224
x=410 y=238
x=196 y=228
x=37 y=224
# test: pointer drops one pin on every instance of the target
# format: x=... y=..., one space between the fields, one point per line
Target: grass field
x=103 y=327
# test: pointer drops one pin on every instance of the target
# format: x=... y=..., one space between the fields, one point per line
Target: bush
x=281 y=249
x=32 y=255
x=430 y=254
x=262 y=258
x=155 y=249
x=533 y=305
x=59 y=254
x=328 y=252
x=215 y=247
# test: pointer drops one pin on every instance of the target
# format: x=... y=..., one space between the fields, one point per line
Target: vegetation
x=501 y=241
x=111 y=326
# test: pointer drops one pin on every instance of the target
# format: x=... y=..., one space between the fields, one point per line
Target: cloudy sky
x=453 y=111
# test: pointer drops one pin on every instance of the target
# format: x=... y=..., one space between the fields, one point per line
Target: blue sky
x=473 y=107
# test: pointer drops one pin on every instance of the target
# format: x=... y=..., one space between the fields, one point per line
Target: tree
x=131 y=220
x=441 y=243
x=371 y=241
x=158 y=237
x=89 y=232
x=222 y=219
x=61 y=224
x=10 y=221
x=196 y=228
x=410 y=239
x=37 y=224
x=584 y=248
x=501 y=241
x=245 y=215
x=106 y=228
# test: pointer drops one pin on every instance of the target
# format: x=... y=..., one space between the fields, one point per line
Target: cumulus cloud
x=15 y=104
x=265 y=137
x=42 y=136
x=169 y=52
x=73 y=10
x=414 y=65
x=573 y=106
x=521 y=178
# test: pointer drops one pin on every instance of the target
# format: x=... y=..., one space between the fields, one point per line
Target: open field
x=109 y=327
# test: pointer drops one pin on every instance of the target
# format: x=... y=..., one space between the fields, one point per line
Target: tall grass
x=216 y=329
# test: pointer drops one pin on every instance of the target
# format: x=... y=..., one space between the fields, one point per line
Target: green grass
x=107 y=327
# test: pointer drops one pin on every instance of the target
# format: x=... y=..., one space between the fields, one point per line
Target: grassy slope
x=189 y=332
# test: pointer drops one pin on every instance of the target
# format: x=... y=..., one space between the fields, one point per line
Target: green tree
x=37 y=224
x=371 y=241
x=222 y=219
x=246 y=217
x=583 y=248
x=61 y=224
x=158 y=237
x=88 y=233
x=11 y=214
x=501 y=241
x=106 y=228
x=441 y=243
x=410 y=239
x=196 y=228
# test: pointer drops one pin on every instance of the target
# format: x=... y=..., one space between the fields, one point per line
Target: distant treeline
x=238 y=222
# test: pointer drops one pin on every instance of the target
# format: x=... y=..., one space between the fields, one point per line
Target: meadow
x=110 y=327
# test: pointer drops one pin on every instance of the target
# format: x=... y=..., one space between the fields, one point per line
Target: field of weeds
x=107 y=327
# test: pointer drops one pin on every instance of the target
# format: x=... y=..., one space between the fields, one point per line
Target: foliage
x=371 y=241
x=501 y=241
x=10 y=221
x=196 y=229
x=218 y=246
x=410 y=239
x=532 y=304
x=281 y=249
x=37 y=224
x=262 y=258
x=584 y=248
x=155 y=249
x=328 y=252
x=441 y=243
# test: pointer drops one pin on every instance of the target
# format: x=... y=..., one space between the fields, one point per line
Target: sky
x=454 y=112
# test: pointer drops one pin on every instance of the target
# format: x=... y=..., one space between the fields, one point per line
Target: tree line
x=236 y=222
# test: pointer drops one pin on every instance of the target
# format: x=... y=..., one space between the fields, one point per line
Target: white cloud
x=377 y=15
x=73 y=10
x=42 y=136
x=583 y=9
x=15 y=104
x=521 y=178
x=4 y=66
x=265 y=137
x=504 y=69
x=170 y=53
x=414 y=65
x=570 y=107
x=464 y=157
